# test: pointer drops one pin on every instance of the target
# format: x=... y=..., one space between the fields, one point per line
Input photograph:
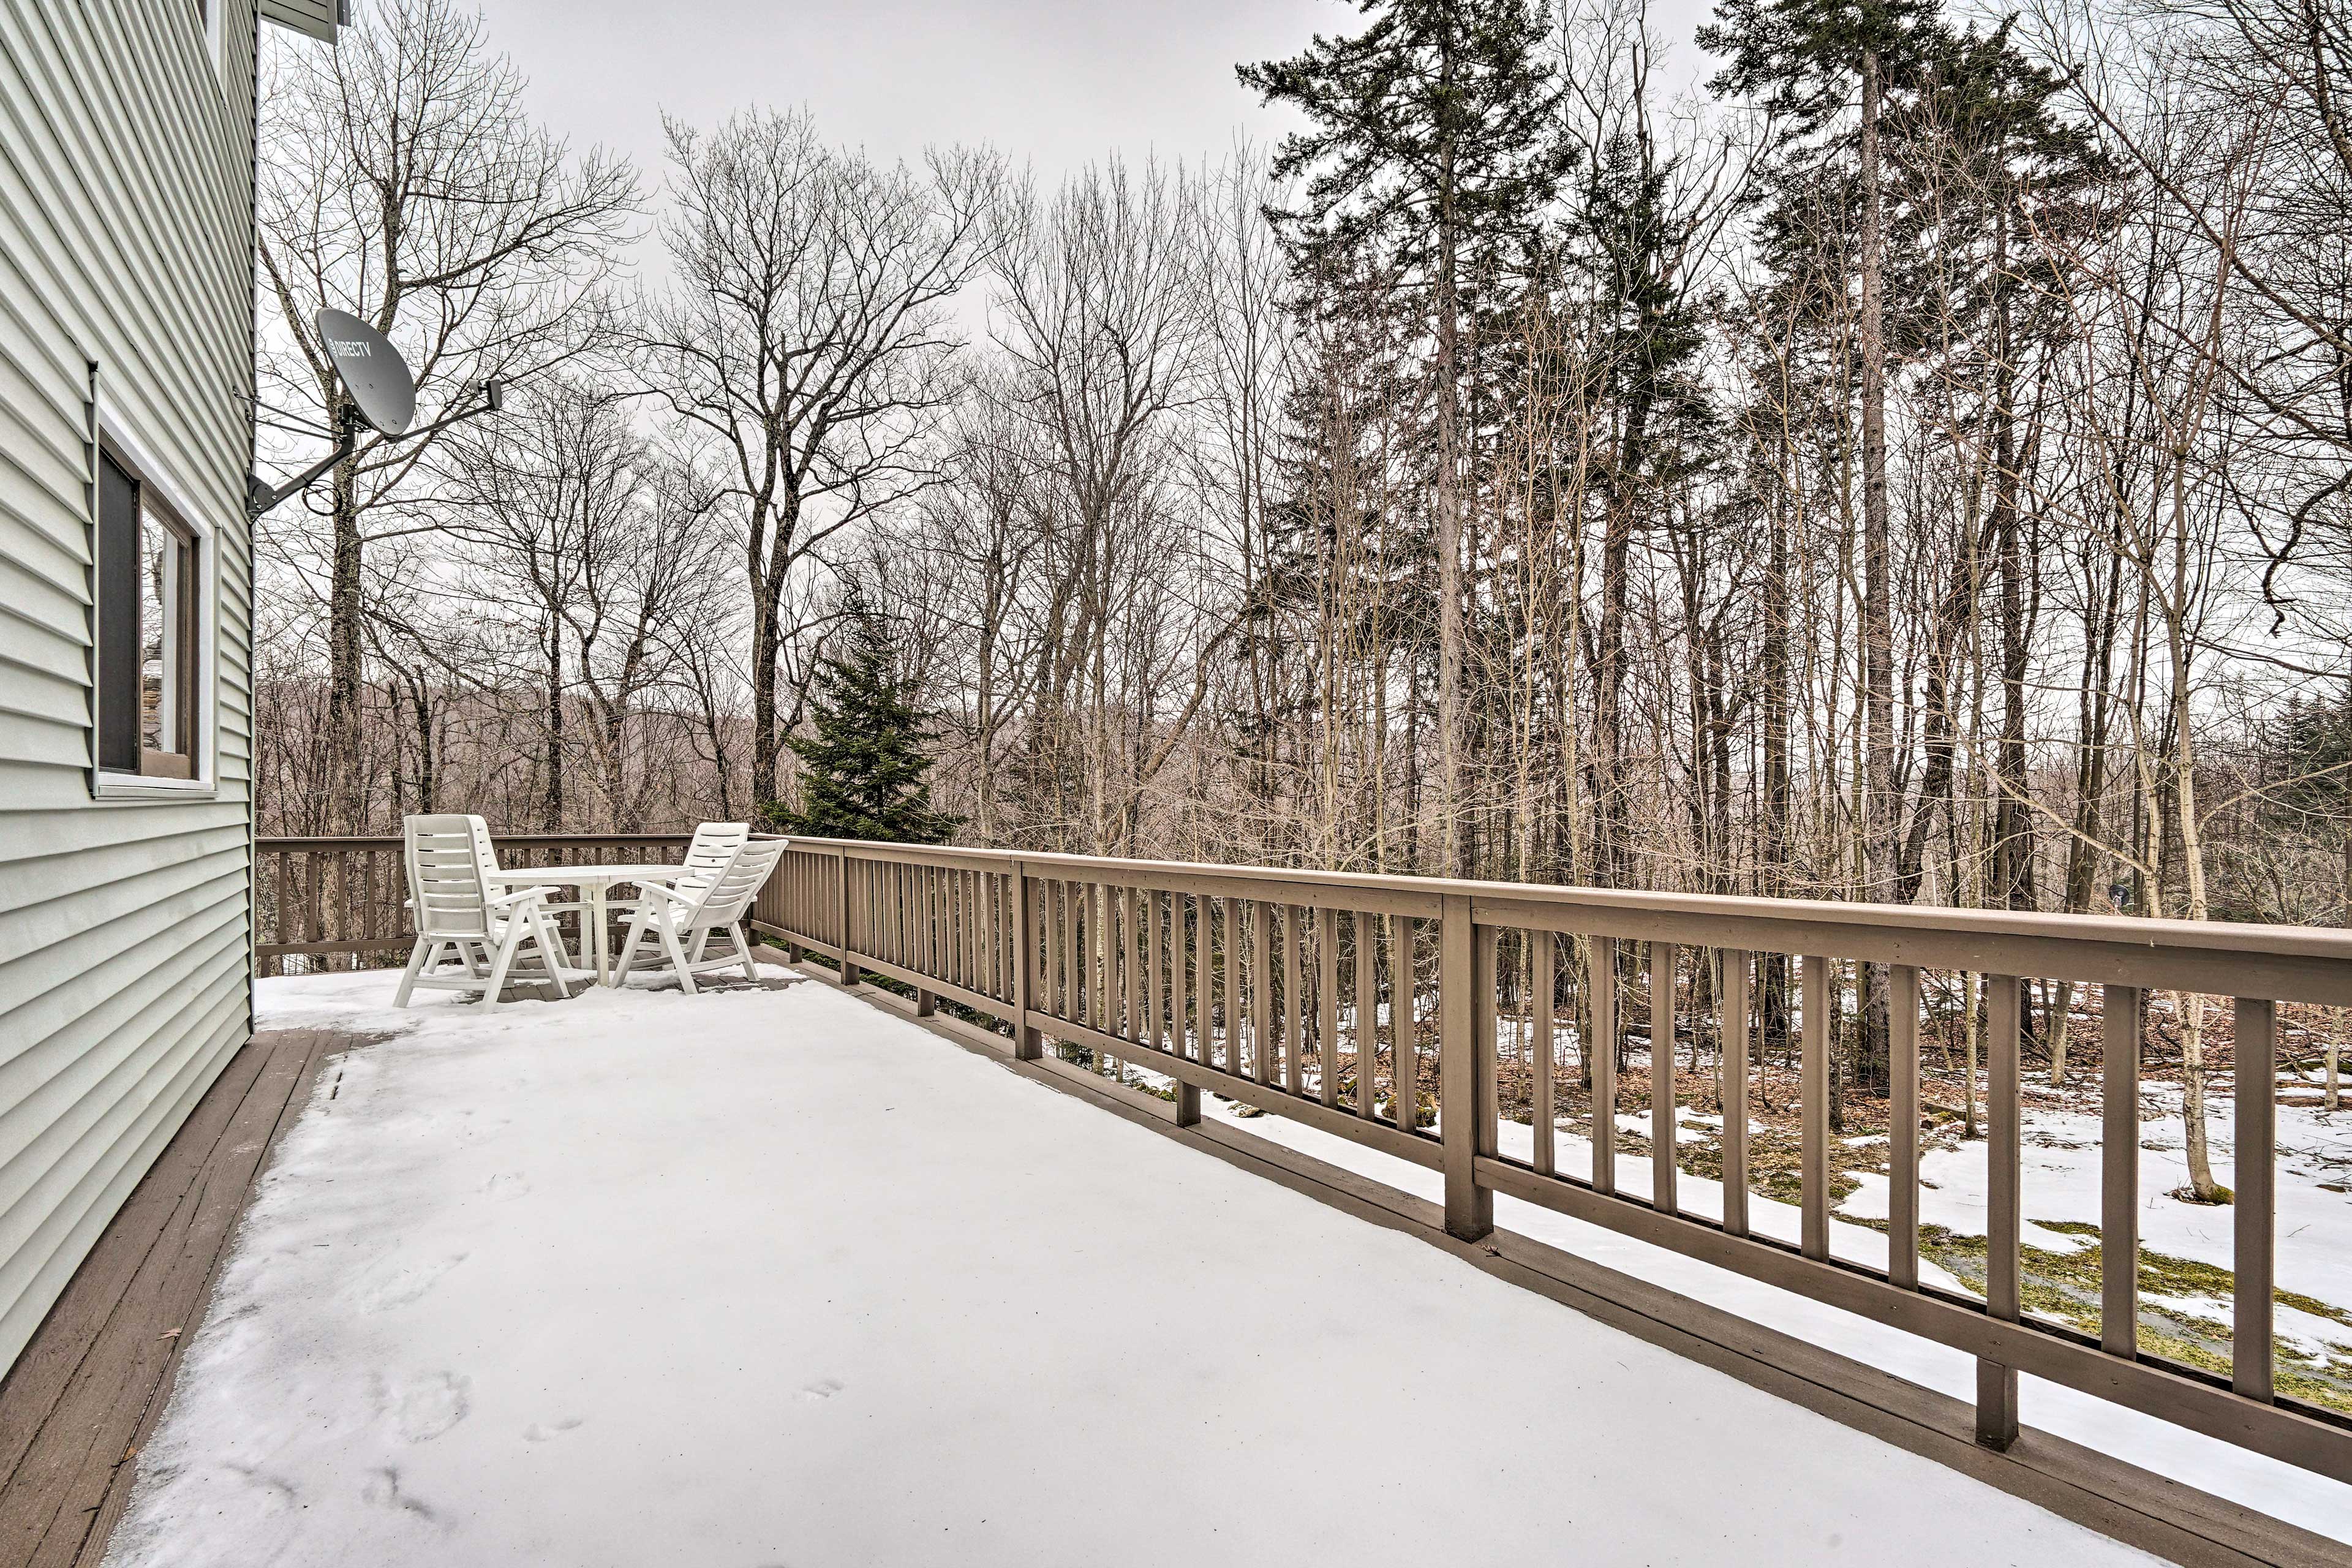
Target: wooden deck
x=92 y=1383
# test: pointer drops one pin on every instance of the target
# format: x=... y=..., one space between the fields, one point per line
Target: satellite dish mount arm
x=261 y=497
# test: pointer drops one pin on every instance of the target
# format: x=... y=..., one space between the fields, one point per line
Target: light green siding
x=126 y=157
x=316 y=17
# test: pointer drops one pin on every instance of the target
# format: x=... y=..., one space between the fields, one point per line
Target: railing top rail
x=551 y=840
x=2288 y=964
x=2299 y=963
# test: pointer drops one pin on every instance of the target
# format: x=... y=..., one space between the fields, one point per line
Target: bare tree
x=402 y=181
x=807 y=335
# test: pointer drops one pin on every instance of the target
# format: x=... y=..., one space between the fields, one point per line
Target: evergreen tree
x=1805 y=60
x=863 y=772
x=1433 y=146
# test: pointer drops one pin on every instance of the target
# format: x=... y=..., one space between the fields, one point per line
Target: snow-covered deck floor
x=770 y=1277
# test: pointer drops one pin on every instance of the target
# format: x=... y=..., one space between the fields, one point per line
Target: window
x=150 y=655
x=209 y=22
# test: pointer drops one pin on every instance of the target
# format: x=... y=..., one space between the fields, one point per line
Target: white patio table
x=596 y=884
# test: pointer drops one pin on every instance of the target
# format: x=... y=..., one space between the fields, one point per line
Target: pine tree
x=1804 y=60
x=1432 y=145
x=865 y=770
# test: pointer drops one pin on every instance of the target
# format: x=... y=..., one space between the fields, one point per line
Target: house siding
x=126 y=216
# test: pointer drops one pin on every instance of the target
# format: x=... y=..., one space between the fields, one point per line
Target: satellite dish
x=373 y=372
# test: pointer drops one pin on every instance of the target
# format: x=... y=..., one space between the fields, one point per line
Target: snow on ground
x=763 y=1277
x=2298 y=1496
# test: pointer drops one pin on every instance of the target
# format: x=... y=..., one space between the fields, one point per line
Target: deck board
x=90 y=1387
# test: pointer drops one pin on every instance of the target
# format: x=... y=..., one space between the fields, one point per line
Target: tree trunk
x=346 y=812
x=1450 y=629
x=1877 y=605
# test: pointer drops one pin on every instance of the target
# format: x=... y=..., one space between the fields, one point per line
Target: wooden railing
x=338 y=902
x=1368 y=1007
x=1316 y=996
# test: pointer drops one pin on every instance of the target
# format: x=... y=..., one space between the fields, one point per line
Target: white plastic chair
x=714 y=846
x=684 y=917
x=454 y=908
x=550 y=902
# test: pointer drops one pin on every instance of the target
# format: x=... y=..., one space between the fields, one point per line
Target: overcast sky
x=1053 y=83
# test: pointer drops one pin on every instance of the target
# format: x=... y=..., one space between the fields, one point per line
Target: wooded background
x=1914 y=468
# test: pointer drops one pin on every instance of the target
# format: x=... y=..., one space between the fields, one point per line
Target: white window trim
x=214 y=28
x=148 y=471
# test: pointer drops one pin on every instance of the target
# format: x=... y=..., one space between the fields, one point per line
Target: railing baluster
x=2120 y=1008
x=1090 y=976
x=367 y=902
x=1046 y=895
x=1067 y=994
x=983 y=936
x=1190 y=919
x=849 y=970
x=1404 y=1017
x=1230 y=952
x=1903 y=1125
x=1294 y=1045
x=282 y=911
x=1814 y=1109
x=1262 y=1047
x=2005 y=1176
x=1542 y=958
x=1733 y=998
x=1601 y=1061
x=1662 y=1107
x=2255 y=1180
x=314 y=902
x=1327 y=1005
x=1121 y=956
x=955 y=886
x=1368 y=1012
x=1149 y=901
x=1136 y=991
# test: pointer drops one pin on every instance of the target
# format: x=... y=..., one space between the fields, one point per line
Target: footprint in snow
x=825 y=1389
x=393 y=1284
x=382 y=1490
x=433 y=1405
x=540 y=1431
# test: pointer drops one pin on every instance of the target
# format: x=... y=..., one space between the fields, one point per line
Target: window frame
x=198 y=592
x=209 y=22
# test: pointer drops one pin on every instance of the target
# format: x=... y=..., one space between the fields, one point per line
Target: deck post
x=849 y=969
x=2253 y=1209
x=2004 y=1181
x=1465 y=1050
x=2120 y=1008
x=1026 y=1046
